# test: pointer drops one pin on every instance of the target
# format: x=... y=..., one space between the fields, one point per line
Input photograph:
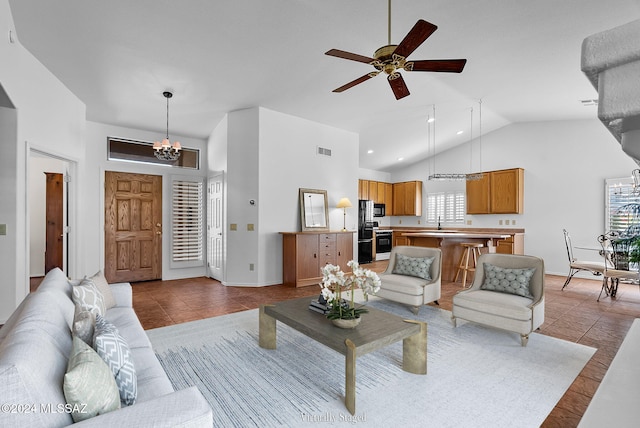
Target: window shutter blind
x=448 y=207
x=619 y=216
x=187 y=221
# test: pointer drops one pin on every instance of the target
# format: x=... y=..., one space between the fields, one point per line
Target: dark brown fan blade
x=354 y=83
x=348 y=55
x=438 y=65
x=418 y=34
x=398 y=86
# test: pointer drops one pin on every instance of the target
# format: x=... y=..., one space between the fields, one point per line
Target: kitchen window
x=446 y=207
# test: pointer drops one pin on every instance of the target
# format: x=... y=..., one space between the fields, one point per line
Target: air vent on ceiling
x=323 y=151
x=587 y=103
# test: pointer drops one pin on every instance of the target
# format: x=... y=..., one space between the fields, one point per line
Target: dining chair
x=575 y=266
x=613 y=273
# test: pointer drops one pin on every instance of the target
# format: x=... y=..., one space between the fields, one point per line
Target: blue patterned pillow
x=113 y=349
x=413 y=266
x=512 y=281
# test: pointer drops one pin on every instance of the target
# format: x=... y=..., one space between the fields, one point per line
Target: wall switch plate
x=469 y=222
x=3 y=229
x=500 y=222
x=513 y=222
x=418 y=221
x=507 y=222
x=233 y=226
x=251 y=267
x=250 y=227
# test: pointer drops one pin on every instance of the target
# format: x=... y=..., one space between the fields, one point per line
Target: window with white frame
x=187 y=217
x=446 y=207
x=621 y=207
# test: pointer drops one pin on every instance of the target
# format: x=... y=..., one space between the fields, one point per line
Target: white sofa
x=35 y=344
x=615 y=402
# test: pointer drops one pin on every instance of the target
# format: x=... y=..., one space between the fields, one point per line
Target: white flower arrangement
x=334 y=282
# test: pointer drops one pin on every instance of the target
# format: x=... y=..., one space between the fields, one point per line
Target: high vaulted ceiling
x=118 y=56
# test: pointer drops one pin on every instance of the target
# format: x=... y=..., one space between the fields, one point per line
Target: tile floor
x=572 y=314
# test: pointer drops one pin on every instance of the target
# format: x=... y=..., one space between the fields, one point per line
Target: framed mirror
x=314 y=211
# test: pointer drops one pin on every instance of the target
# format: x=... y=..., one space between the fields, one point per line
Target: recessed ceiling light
x=369 y=151
x=400 y=159
x=459 y=132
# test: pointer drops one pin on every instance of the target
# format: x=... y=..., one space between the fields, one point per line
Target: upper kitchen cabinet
x=363 y=189
x=407 y=198
x=497 y=192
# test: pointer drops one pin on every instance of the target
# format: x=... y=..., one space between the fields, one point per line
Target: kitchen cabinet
x=497 y=192
x=363 y=189
x=305 y=253
x=373 y=191
x=398 y=239
x=388 y=198
x=407 y=198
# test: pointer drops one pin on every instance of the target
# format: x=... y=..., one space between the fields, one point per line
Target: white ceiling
x=118 y=57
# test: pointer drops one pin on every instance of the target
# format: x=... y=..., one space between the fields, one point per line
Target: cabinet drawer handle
x=315 y=255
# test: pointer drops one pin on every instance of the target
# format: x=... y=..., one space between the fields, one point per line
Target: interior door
x=133 y=227
x=215 y=228
x=53 y=254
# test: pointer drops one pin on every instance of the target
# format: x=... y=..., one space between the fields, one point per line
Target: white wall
x=37 y=209
x=49 y=117
x=288 y=161
x=92 y=187
x=565 y=163
x=268 y=157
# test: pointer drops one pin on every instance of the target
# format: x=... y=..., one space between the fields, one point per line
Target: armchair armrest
x=184 y=408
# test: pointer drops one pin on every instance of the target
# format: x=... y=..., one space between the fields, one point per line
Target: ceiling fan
x=392 y=58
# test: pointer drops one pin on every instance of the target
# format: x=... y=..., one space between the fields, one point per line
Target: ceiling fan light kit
x=390 y=59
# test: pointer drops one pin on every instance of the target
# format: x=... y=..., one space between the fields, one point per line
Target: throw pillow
x=114 y=350
x=89 y=387
x=84 y=324
x=88 y=297
x=503 y=280
x=103 y=286
x=413 y=266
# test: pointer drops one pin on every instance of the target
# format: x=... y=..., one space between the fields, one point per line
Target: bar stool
x=471 y=251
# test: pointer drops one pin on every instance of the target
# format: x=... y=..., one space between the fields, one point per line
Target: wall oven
x=384 y=239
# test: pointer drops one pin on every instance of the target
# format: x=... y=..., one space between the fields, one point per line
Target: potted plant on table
x=341 y=312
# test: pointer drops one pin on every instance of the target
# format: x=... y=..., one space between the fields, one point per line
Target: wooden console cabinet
x=305 y=253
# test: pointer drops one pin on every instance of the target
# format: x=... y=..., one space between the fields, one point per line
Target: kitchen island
x=506 y=241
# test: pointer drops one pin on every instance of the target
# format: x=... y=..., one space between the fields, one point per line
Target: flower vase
x=342 y=323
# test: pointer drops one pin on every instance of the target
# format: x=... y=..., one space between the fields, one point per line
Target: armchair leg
x=453 y=320
x=415 y=310
x=524 y=339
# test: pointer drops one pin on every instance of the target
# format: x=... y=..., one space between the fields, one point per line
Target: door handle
x=158 y=233
x=158 y=225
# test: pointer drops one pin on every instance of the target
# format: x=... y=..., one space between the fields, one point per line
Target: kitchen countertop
x=443 y=234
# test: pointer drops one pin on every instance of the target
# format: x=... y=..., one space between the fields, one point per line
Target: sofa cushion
x=503 y=280
x=89 y=386
x=490 y=302
x=102 y=285
x=84 y=325
x=413 y=266
x=402 y=284
x=152 y=379
x=113 y=349
x=128 y=326
x=88 y=297
x=37 y=348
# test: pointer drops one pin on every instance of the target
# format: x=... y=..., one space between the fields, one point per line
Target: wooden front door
x=55 y=221
x=133 y=227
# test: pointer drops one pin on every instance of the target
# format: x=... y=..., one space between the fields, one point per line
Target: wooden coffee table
x=377 y=330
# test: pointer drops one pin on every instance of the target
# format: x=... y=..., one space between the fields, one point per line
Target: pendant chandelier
x=164 y=150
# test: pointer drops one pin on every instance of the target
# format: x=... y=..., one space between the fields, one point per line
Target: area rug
x=476 y=376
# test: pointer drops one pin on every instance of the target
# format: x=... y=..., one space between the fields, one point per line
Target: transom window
x=122 y=149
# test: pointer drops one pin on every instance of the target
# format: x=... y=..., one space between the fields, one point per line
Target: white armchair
x=504 y=309
x=406 y=288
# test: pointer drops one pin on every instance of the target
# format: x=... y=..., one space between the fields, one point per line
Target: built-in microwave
x=378 y=210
